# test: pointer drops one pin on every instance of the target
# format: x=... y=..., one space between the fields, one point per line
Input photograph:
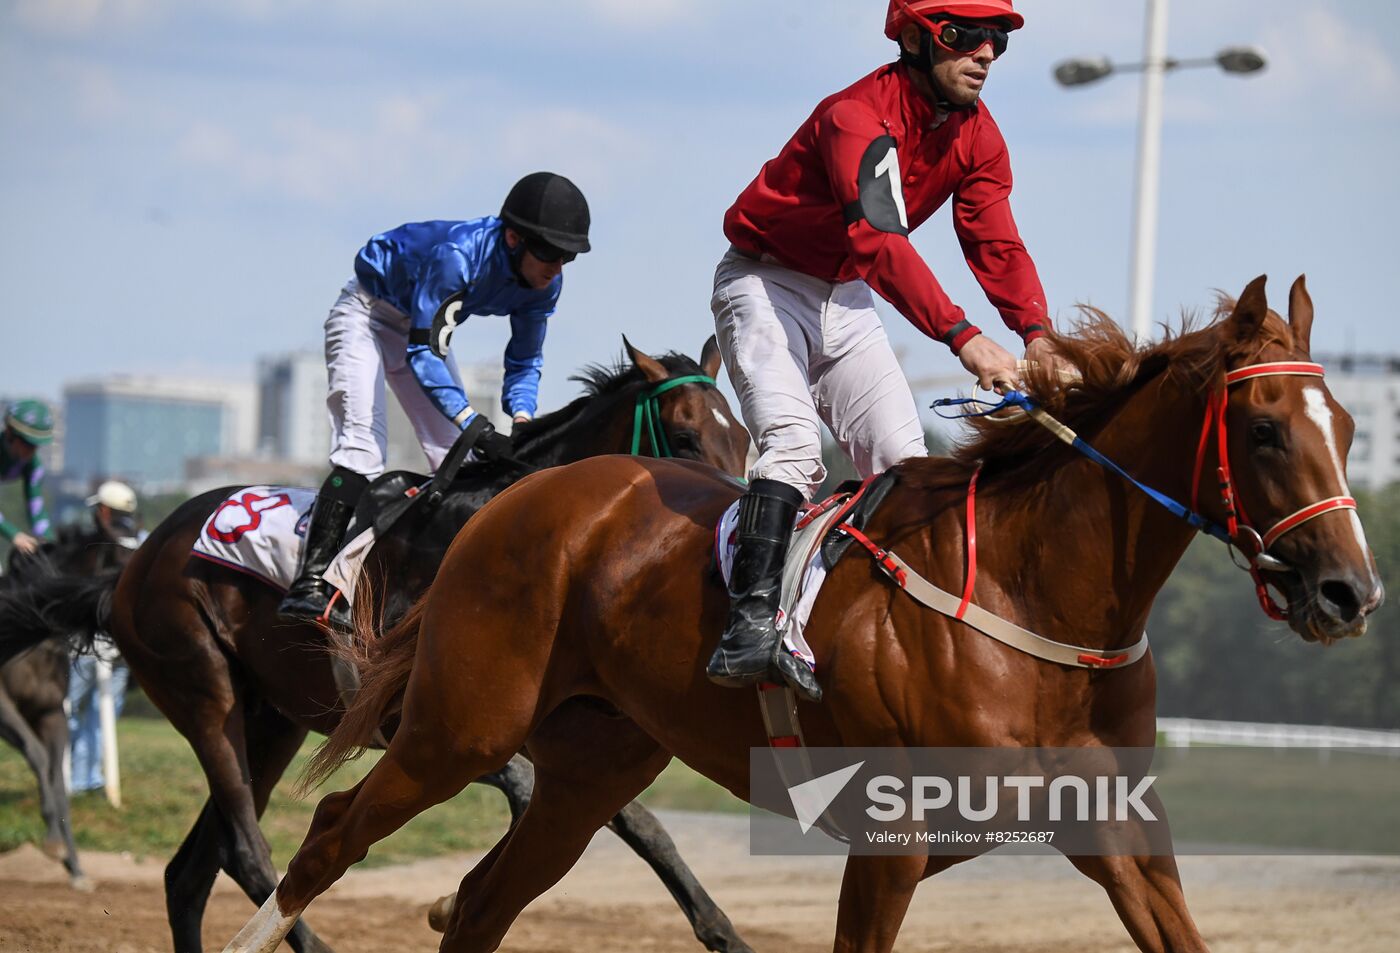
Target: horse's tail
x=34 y=610
x=384 y=663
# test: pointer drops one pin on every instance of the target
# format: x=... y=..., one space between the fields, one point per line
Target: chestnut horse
x=244 y=687
x=612 y=598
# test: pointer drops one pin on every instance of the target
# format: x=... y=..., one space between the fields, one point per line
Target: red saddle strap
x=971 y=544
x=882 y=556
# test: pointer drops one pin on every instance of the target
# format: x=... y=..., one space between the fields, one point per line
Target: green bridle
x=647 y=419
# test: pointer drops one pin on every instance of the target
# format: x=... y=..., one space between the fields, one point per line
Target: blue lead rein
x=1022 y=402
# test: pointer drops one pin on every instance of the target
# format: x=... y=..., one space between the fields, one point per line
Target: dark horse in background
x=34 y=684
x=622 y=606
x=244 y=687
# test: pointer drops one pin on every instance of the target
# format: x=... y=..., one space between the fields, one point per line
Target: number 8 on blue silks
x=445 y=323
x=881 y=201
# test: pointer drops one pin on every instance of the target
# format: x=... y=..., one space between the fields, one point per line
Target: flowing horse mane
x=1111 y=368
x=598 y=380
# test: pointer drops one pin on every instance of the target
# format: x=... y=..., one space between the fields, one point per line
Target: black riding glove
x=491 y=444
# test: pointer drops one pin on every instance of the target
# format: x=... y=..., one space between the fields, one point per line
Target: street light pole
x=1149 y=165
x=1156 y=64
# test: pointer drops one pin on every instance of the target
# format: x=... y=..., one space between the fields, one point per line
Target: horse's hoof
x=82 y=884
x=54 y=849
x=440 y=912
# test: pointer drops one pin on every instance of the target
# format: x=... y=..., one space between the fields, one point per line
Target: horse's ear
x=651 y=368
x=1300 y=315
x=1250 y=311
x=709 y=357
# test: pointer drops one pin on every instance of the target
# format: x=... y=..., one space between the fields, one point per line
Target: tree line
x=1218 y=656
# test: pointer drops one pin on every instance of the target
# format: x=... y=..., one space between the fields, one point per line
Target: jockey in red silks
x=826 y=222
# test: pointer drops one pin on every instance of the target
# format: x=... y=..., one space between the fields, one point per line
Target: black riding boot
x=310 y=595
x=751 y=651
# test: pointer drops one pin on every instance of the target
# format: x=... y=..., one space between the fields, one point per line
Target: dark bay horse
x=620 y=605
x=244 y=687
x=34 y=684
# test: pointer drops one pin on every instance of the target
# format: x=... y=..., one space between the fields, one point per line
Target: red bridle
x=1245 y=537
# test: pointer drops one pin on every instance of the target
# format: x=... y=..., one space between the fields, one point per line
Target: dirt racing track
x=610 y=901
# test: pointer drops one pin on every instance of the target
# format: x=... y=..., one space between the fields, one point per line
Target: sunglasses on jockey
x=960 y=36
x=548 y=253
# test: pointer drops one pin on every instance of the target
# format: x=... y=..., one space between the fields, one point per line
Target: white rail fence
x=1184 y=732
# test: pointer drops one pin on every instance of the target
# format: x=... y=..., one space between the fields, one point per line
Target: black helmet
x=550 y=209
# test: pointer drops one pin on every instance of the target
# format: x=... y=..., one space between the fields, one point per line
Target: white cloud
x=1329 y=56
x=81 y=16
x=586 y=146
x=408 y=145
x=403 y=117
x=296 y=159
x=641 y=13
x=1320 y=55
x=97 y=94
x=74 y=16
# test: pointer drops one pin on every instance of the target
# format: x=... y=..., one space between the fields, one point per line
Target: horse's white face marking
x=723 y=422
x=1321 y=415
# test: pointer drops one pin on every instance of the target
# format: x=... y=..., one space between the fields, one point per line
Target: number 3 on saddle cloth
x=812 y=553
x=260 y=530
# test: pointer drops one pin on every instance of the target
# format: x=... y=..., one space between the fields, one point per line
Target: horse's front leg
x=875 y=893
x=1145 y=889
x=1146 y=892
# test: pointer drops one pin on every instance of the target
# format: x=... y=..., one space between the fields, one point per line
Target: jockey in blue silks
x=394 y=320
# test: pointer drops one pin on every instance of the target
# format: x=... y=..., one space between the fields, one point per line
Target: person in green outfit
x=28 y=426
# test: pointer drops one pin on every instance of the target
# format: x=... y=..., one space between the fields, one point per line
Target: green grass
x=163 y=791
x=1220 y=796
x=1342 y=802
x=679 y=788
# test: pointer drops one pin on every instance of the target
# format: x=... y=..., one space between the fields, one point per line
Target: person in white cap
x=113 y=508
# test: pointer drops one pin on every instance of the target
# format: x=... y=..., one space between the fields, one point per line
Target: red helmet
x=905 y=11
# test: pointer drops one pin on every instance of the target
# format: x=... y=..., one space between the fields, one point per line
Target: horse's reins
x=777 y=702
x=647 y=417
x=1238 y=531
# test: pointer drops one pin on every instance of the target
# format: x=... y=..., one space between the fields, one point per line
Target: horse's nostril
x=1340 y=599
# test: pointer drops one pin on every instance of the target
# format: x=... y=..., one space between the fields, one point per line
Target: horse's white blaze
x=265 y=931
x=723 y=421
x=1318 y=412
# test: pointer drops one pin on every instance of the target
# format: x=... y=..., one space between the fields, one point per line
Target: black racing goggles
x=959 y=37
x=548 y=253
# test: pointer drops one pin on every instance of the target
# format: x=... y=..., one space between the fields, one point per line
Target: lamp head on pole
x=1241 y=59
x=1082 y=71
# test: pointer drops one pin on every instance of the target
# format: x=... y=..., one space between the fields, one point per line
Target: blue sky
x=185 y=184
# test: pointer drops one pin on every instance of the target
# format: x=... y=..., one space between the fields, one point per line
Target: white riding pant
x=801 y=351
x=367 y=342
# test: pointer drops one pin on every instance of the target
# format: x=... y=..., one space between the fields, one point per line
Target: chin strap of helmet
x=923 y=60
x=515 y=256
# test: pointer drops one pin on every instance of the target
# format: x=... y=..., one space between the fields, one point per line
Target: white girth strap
x=1008 y=633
